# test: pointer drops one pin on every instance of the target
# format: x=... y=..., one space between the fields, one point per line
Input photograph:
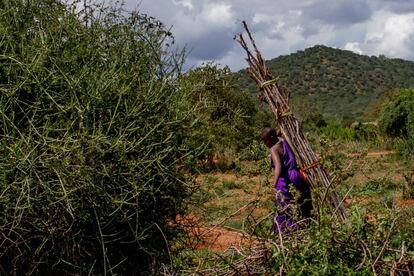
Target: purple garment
x=290 y=174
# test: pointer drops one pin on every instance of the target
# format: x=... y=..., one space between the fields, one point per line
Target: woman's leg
x=283 y=218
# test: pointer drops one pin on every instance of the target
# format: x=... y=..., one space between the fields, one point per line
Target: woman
x=286 y=173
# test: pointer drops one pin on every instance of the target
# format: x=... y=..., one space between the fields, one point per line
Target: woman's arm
x=276 y=160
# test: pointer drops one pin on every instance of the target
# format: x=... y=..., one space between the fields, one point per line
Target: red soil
x=403 y=203
x=212 y=237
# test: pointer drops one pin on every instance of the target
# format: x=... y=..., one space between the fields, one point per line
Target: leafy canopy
x=397 y=115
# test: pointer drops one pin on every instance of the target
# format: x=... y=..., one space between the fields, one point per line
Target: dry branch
x=277 y=99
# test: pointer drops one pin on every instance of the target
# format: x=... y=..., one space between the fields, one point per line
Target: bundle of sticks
x=277 y=98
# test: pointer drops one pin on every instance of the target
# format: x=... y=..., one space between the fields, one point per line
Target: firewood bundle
x=277 y=99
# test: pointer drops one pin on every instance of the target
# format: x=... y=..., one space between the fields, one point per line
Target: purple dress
x=290 y=174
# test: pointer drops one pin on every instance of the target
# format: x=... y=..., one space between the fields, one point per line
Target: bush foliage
x=90 y=139
x=397 y=114
x=397 y=121
x=229 y=120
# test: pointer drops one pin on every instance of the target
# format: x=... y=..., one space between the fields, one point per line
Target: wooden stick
x=277 y=99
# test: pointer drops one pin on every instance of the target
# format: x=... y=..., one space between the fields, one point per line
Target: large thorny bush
x=90 y=139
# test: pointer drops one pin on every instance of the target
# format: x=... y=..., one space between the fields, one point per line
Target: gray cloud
x=339 y=12
x=397 y=6
x=213 y=45
x=207 y=27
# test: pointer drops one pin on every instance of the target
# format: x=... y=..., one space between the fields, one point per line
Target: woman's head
x=269 y=137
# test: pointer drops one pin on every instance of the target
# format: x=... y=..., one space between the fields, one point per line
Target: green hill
x=339 y=83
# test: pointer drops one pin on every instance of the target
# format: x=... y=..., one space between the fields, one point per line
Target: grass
x=376 y=186
x=234 y=223
x=230 y=199
x=377 y=183
x=210 y=180
x=230 y=185
x=408 y=186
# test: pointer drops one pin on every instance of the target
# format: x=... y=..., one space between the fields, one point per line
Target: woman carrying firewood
x=286 y=174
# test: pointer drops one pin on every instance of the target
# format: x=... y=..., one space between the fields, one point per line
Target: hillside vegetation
x=340 y=83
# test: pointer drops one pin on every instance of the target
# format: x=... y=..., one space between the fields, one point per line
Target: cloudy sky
x=207 y=27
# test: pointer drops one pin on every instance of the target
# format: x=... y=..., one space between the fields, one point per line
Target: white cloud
x=260 y=17
x=217 y=14
x=395 y=38
x=185 y=3
x=354 y=47
x=390 y=34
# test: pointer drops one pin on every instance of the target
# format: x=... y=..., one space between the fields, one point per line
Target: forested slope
x=339 y=83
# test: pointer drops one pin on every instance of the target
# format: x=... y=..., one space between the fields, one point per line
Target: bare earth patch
x=403 y=203
x=215 y=238
x=241 y=203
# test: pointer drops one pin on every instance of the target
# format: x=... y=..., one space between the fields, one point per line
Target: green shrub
x=397 y=115
x=405 y=148
x=230 y=185
x=335 y=131
x=408 y=186
x=229 y=120
x=397 y=121
x=367 y=132
x=91 y=139
x=356 y=247
x=254 y=152
x=376 y=186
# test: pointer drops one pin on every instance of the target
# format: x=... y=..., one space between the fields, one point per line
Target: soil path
x=372 y=153
x=213 y=237
x=220 y=239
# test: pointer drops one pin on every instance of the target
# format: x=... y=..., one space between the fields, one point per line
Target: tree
x=228 y=118
x=397 y=114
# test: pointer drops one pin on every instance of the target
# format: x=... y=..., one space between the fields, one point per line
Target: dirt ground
x=215 y=237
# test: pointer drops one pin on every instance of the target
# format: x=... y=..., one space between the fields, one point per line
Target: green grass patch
x=408 y=186
x=252 y=168
x=376 y=186
x=234 y=223
x=210 y=180
x=230 y=185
